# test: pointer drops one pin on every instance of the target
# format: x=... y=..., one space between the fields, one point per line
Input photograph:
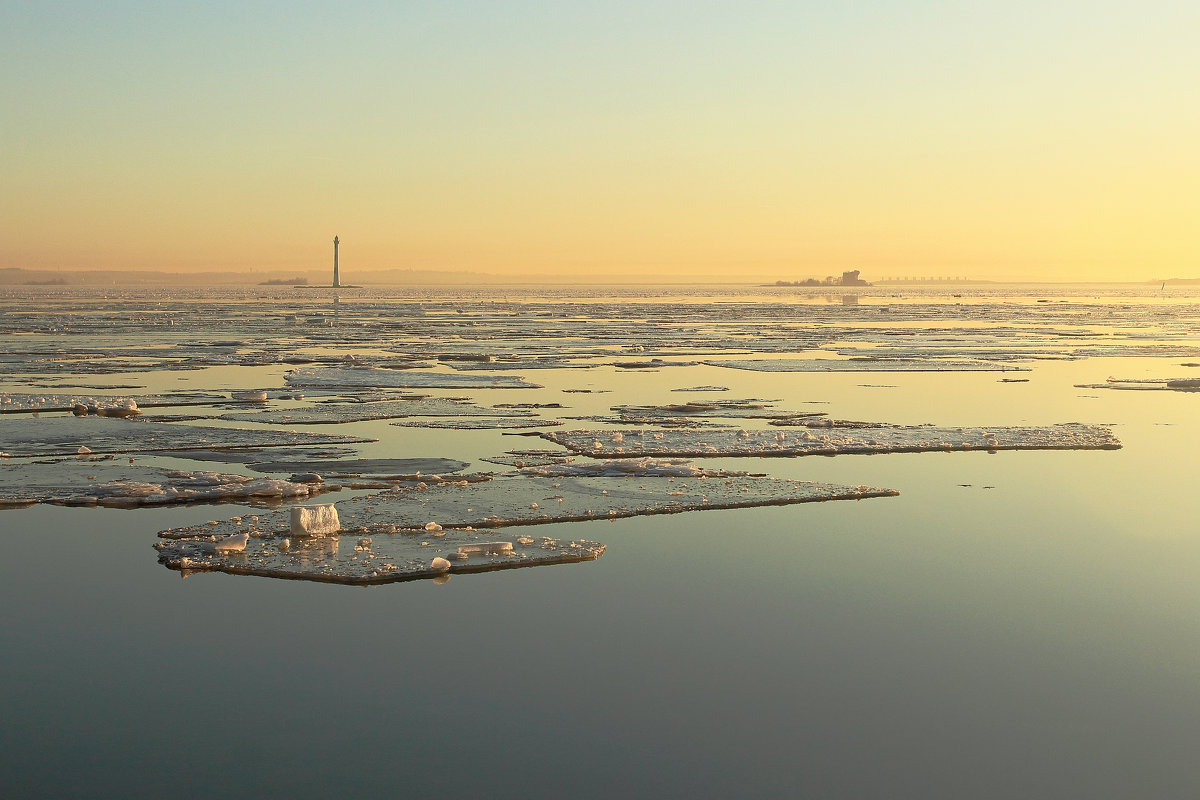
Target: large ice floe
x=349 y=411
x=830 y=438
x=102 y=405
x=370 y=377
x=479 y=423
x=862 y=365
x=105 y=482
x=50 y=436
x=389 y=469
x=697 y=413
x=1146 y=384
x=448 y=526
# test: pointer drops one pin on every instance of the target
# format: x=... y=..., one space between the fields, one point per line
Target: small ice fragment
x=440 y=564
x=250 y=396
x=79 y=410
x=235 y=543
x=432 y=526
x=314 y=520
x=533 y=505
x=84 y=450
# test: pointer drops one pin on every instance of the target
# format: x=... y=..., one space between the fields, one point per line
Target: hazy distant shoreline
x=17 y=276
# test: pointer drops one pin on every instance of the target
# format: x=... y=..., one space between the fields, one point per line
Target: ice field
x=627 y=537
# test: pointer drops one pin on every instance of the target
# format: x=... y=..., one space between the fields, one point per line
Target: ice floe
x=507 y=502
x=529 y=458
x=408 y=529
x=63 y=435
x=1146 y=384
x=342 y=412
x=479 y=423
x=401 y=469
x=82 y=405
x=697 y=413
x=862 y=365
x=107 y=482
x=622 y=467
x=384 y=558
x=829 y=439
x=369 y=377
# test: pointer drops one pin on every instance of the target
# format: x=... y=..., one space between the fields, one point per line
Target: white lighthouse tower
x=336 y=282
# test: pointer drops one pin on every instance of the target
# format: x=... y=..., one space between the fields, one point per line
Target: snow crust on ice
x=674 y=442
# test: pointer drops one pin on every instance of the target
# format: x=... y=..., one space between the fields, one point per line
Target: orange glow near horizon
x=774 y=141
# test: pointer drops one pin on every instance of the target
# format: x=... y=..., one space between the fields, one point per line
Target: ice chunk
x=314 y=520
x=250 y=396
x=235 y=543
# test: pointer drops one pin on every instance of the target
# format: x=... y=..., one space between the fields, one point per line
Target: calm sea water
x=1019 y=624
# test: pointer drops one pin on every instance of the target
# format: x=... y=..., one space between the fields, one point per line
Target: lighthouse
x=336 y=282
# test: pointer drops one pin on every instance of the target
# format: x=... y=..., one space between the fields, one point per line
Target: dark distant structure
x=336 y=282
x=849 y=278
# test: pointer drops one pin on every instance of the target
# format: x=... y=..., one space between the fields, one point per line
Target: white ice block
x=315 y=520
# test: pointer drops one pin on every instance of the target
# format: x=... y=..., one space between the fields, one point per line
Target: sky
x=594 y=140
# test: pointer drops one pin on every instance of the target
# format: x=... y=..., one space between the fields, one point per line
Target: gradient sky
x=1049 y=140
